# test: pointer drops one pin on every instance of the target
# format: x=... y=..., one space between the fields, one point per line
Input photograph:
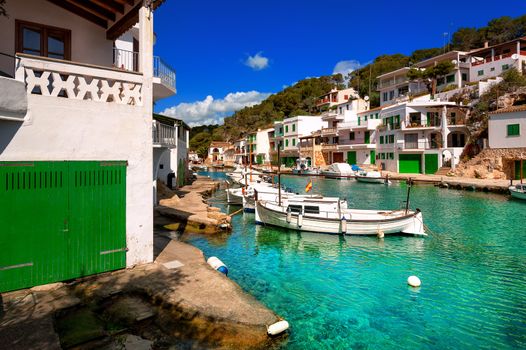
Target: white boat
x=370 y=177
x=338 y=171
x=331 y=215
x=239 y=174
x=518 y=191
x=302 y=168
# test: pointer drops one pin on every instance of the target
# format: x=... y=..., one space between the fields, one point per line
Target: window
x=286 y=128
x=505 y=66
x=391 y=138
x=391 y=155
x=341 y=110
x=385 y=96
x=450 y=78
x=376 y=115
x=364 y=118
x=286 y=142
x=358 y=120
x=347 y=106
x=514 y=130
x=382 y=155
x=293 y=142
x=464 y=76
x=310 y=209
x=480 y=72
x=41 y=40
x=335 y=140
x=293 y=127
x=281 y=130
x=381 y=140
x=391 y=94
x=351 y=136
x=440 y=81
x=293 y=208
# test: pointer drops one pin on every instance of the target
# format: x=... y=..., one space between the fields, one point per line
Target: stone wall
x=496 y=163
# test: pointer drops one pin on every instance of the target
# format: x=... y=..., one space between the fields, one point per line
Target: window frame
x=45 y=31
x=512 y=127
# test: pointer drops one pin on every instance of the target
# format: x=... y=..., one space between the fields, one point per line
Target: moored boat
x=518 y=191
x=303 y=168
x=331 y=215
x=338 y=171
x=370 y=177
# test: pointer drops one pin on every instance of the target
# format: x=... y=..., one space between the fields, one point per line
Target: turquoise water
x=351 y=293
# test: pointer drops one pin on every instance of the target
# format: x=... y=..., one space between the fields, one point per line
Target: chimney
x=486 y=44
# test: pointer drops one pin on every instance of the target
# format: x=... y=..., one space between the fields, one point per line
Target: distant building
x=216 y=152
x=241 y=154
x=335 y=97
x=507 y=127
x=395 y=86
x=491 y=61
x=287 y=134
x=193 y=157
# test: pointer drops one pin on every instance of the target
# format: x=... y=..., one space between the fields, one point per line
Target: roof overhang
x=115 y=16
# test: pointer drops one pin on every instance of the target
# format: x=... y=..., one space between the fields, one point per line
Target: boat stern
x=416 y=226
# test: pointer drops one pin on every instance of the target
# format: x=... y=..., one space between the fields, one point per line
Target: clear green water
x=351 y=293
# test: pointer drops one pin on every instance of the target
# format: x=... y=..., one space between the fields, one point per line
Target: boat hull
x=517 y=194
x=371 y=180
x=409 y=224
x=234 y=196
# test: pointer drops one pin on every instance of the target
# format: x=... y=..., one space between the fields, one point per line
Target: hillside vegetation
x=300 y=98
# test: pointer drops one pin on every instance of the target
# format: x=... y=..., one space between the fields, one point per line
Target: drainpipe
x=444 y=128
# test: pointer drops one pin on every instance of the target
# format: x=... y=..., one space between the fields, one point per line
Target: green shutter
x=428 y=123
x=293 y=142
x=286 y=128
x=287 y=143
x=513 y=129
x=367 y=137
x=293 y=127
x=381 y=140
x=358 y=120
x=373 y=156
x=351 y=157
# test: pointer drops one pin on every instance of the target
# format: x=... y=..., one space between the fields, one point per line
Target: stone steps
x=443 y=171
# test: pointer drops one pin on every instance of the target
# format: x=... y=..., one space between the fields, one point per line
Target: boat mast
x=409 y=183
x=279 y=174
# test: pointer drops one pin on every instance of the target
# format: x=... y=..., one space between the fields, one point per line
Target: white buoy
x=300 y=220
x=289 y=216
x=278 y=328
x=344 y=225
x=217 y=265
x=380 y=233
x=414 y=281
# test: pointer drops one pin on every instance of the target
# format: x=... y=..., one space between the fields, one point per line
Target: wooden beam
x=129 y=2
x=81 y=12
x=110 y=5
x=126 y=22
x=94 y=9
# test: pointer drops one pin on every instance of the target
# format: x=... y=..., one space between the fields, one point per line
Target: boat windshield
x=294 y=208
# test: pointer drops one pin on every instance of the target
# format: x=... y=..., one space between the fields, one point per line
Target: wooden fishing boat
x=518 y=191
x=331 y=215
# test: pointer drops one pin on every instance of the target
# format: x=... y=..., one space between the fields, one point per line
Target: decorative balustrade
x=64 y=79
x=329 y=147
x=163 y=135
x=328 y=131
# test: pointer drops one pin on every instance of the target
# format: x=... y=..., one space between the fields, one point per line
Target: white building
x=241 y=151
x=78 y=132
x=421 y=137
x=395 y=86
x=288 y=132
x=171 y=139
x=216 y=152
x=491 y=61
x=357 y=137
x=259 y=146
x=335 y=97
x=507 y=127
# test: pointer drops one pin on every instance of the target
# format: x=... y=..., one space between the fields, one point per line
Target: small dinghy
x=374 y=177
x=338 y=171
x=518 y=191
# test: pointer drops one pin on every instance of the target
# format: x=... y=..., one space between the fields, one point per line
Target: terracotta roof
x=519 y=108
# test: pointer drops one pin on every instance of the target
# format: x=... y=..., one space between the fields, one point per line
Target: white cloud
x=346 y=67
x=257 y=62
x=212 y=111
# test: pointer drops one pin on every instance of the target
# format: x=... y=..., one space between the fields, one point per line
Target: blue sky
x=233 y=53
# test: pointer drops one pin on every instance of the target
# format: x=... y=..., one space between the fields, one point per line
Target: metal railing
x=124 y=59
x=163 y=135
x=164 y=72
x=129 y=60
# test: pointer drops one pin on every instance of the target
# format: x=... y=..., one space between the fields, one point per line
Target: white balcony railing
x=163 y=135
x=129 y=60
x=72 y=80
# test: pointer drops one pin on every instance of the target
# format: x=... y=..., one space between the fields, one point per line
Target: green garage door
x=372 y=156
x=431 y=162
x=351 y=157
x=60 y=220
x=409 y=163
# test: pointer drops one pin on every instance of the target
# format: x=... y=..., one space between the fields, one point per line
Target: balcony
x=412 y=145
x=329 y=147
x=163 y=135
x=369 y=124
x=164 y=75
x=456 y=121
x=78 y=81
x=328 y=131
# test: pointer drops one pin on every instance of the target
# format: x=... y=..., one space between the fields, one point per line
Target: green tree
x=430 y=75
x=500 y=30
x=465 y=39
x=424 y=54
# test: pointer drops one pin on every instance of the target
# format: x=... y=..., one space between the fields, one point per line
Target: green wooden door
x=517 y=172
x=351 y=157
x=259 y=159
x=367 y=137
x=409 y=163
x=373 y=157
x=431 y=163
x=60 y=220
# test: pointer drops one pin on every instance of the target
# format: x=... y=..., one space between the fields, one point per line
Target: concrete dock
x=178 y=301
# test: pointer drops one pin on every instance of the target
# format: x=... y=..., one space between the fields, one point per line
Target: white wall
x=88 y=40
x=496 y=66
x=69 y=129
x=263 y=144
x=498 y=130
